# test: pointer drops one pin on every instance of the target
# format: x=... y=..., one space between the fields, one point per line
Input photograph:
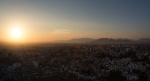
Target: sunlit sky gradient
x=49 y=20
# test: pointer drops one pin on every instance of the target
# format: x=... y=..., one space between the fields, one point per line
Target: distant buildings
x=76 y=63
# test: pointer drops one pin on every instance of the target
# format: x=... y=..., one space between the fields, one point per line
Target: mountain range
x=105 y=41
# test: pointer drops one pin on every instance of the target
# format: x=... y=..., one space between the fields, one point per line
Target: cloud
x=61 y=31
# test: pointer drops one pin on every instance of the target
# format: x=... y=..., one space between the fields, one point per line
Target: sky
x=49 y=20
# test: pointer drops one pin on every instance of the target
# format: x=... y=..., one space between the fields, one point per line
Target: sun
x=16 y=33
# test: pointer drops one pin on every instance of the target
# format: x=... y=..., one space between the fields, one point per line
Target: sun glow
x=16 y=34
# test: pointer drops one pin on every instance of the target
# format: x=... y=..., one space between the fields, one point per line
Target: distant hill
x=144 y=40
x=105 y=41
x=112 y=41
x=77 y=40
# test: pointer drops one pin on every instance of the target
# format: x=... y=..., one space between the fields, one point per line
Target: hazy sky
x=48 y=20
